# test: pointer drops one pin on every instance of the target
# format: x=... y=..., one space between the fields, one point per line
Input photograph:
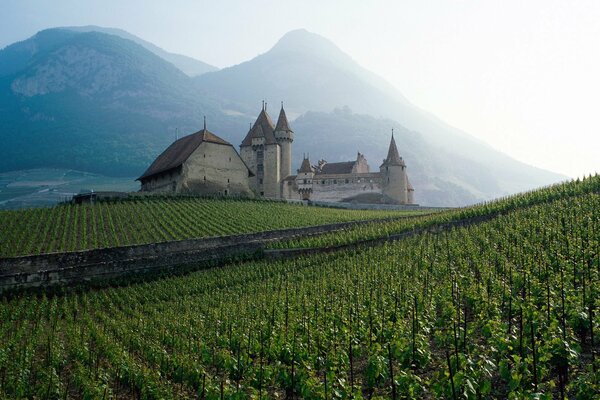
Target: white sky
x=524 y=76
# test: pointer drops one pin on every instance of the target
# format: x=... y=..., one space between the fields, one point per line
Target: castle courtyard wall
x=337 y=187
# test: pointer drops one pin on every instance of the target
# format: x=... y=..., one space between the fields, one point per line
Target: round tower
x=284 y=137
x=393 y=173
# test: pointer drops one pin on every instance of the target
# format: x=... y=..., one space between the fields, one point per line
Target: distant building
x=352 y=181
x=206 y=164
x=200 y=163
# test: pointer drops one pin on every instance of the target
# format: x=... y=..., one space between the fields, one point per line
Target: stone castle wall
x=272 y=179
x=340 y=186
x=215 y=168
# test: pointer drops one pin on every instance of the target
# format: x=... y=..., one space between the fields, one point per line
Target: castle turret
x=304 y=179
x=284 y=136
x=262 y=154
x=393 y=173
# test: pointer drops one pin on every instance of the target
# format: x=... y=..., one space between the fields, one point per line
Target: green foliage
x=156 y=219
x=506 y=308
x=458 y=216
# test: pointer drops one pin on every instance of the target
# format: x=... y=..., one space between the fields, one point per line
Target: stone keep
x=267 y=151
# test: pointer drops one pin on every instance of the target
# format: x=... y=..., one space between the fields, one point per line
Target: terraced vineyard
x=149 y=220
x=475 y=213
x=506 y=308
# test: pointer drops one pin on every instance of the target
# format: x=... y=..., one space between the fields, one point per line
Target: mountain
x=91 y=101
x=188 y=65
x=312 y=74
x=101 y=102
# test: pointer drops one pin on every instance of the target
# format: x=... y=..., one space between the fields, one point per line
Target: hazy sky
x=524 y=76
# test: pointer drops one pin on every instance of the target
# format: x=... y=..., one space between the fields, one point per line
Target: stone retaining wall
x=78 y=266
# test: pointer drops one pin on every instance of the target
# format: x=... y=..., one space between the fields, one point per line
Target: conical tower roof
x=282 y=122
x=258 y=131
x=306 y=167
x=262 y=127
x=393 y=157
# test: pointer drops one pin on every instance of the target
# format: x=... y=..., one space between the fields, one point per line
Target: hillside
x=502 y=307
x=188 y=65
x=108 y=102
x=90 y=101
x=151 y=219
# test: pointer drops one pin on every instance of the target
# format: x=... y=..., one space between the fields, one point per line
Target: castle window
x=205 y=178
x=335 y=181
x=227 y=180
x=323 y=182
x=260 y=181
x=306 y=181
x=226 y=192
x=229 y=159
x=262 y=193
x=347 y=181
x=260 y=154
x=204 y=155
x=259 y=168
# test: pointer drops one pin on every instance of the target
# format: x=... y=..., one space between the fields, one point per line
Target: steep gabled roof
x=266 y=126
x=393 y=157
x=282 y=122
x=180 y=150
x=337 y=168
x=306 y=167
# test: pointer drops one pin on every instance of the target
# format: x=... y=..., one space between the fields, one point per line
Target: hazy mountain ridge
x=312 y=74
x=92 y=101
x=97 y=102
x=188 y=65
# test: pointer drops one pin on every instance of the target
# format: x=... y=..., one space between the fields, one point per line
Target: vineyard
x=150 y=220
x=479 y=212
x=506 y=308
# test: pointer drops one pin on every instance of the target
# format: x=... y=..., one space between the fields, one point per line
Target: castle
x=206 y=164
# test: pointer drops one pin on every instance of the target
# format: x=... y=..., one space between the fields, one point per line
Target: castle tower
x=284 y=136
x=262 y=154
x=304 y=179
x=394 y=178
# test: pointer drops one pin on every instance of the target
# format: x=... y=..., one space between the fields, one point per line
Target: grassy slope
x=76 y=227
x=503 y=309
